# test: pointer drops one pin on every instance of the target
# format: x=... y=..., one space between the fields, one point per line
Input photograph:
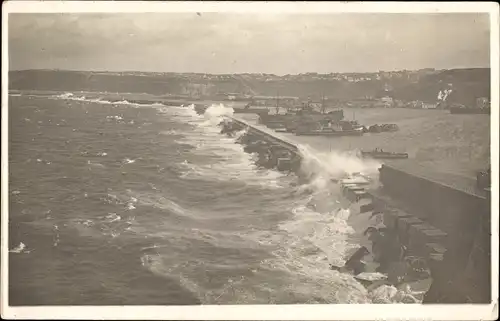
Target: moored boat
x=330 y=128
x=246 y=110
x=383 y=128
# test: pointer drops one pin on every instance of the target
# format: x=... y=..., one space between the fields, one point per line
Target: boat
x=383 y=128
x=276 y=126
x=248 y=110
x=470 y=110
x=327 y=127
x=380 y=154
x=303 y=118
x=305 y=114
x=268 y=119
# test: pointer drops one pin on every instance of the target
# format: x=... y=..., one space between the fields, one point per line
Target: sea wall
x=443 y=231
x=447 y=225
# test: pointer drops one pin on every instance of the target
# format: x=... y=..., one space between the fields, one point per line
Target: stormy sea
x=120 y=203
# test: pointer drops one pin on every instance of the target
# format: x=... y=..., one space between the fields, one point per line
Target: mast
x=277 y=102
x=323 y=107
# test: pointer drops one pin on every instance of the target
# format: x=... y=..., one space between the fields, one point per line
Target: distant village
x=420 y=89
x=348 y=77
x=201 y=86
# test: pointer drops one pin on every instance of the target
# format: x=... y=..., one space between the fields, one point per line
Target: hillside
x=467 y=84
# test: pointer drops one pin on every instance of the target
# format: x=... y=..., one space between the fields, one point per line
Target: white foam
x=114 y=117
x=95 y=165
x=100 y=100
x=128 y=161
x=65 y=96
x=320 y=230
x=315 y=234
x=112 y=217
x=19 y=249
x=232 y=162
x=335 y=164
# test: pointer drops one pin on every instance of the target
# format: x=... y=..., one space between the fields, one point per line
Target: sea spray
x=334 y=164
x=214 y=114
x=232 y=161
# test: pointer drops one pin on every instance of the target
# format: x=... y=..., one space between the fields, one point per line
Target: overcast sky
x=237 y=43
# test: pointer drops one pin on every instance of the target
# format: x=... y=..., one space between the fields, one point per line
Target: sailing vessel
x=307 y=117
x=329 y=128
x=249 y=110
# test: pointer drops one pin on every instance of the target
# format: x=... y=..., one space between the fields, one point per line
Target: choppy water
x=148 y=204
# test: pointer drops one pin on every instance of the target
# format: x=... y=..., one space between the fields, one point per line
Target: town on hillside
x=425 y=88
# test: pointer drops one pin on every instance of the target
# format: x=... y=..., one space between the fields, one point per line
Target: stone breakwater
x=430 y=233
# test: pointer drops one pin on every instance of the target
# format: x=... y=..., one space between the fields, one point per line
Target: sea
x=119 y=203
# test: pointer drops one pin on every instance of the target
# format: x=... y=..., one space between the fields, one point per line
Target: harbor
x=418 y=204
x=250 y=161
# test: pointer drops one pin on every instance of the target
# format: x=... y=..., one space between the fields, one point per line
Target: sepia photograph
x=284 y=155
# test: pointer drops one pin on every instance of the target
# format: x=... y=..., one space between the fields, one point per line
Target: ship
x=307 y=116
x=275 y=120
x=380 y=154
x=382 y=128
x=299 y=115
x=327 y=127
x=249 y=110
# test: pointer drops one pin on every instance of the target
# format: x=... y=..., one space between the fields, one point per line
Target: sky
x=254 y=43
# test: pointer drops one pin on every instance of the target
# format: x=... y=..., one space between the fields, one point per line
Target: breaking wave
x=318 y=231
x=232 y=162
x=323 y=228
x=99 y=100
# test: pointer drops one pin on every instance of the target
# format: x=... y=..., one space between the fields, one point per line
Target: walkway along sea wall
x=459 y=248
x=443 y=228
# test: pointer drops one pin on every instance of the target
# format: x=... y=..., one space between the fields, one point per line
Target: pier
x=441 y=218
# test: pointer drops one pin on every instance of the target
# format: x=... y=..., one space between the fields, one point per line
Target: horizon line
x=248 y=73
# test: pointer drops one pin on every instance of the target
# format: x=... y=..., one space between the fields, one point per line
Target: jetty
x=442 y=218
